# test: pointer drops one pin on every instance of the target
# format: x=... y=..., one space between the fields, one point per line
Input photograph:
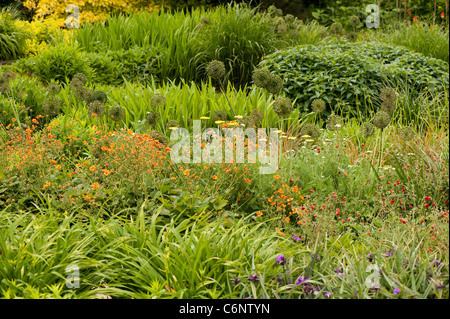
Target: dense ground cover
x=356 y=206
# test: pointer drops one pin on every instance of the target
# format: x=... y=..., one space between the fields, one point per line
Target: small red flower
x=442 y=15
x=415 y=19
x=409 y=11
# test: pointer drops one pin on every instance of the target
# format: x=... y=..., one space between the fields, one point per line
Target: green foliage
x=58 y=63
x=12 y=39
x=348 y=76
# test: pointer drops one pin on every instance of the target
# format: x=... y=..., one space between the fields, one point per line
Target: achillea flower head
x=215 y=69
x=80 y=77
x=334 y=122
x=318 y=106
x=219 y=115
x=381 y=119
x=157 y=100
x=367 y=129
x=116 y=113
x=172 y=123
x=261 y=77
x=282 y=106
x=52 y=106
x=97 y=108
x=406 y=133
x=152 y=117
x=53 y=88
x=311 y=130
x=274 y=84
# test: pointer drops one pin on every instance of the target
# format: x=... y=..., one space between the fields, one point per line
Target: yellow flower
x=291 y=137
x=204 y=118
x=219 y=122
x=305 y=136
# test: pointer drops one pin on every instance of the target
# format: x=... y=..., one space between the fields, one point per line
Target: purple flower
x=295 y=238
x=301 y=280
x=236 y=280
x=396 y=291
x=253 y=278
x=339 y=272
x=327 y=294
x=280 y=280
x=369 y=257
x=437 y=262
x=355 y=293
x=281 y=260
x=389 y=253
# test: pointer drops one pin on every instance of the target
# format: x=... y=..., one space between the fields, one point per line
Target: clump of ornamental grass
x=96 y=108
x=152 y=117
x=318 y=106
x=52 y=106
x=282 y=106
x=215 y=69
x=157 y=100
x=117 y=113
x=334 y=122
x=367 y=129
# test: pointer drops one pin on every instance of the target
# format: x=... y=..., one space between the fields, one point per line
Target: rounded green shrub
x=349 y=75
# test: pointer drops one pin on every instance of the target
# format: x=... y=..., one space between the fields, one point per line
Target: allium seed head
x=282 y=106
x=318 y=106
x=157 y=100
x=51 y=106
x=215 y=69
x=367 y=129
x=381 y=119
x=334 y=122
x=97 y=108
x=116 y=113
x=274 y=84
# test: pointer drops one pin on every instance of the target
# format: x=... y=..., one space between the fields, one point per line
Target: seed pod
x=116 y=113
x=381 y=119
x=215 y=69
x=318 y=106
x=367 y=129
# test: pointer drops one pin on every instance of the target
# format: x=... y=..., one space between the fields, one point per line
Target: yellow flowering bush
x=40 y=32
x=89 y=10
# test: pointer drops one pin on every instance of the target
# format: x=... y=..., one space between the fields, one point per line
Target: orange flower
x=106 y=172
x=186 y=172
x=276 y=176
x=214 y=177
x=52 y=162
x=46 y=185
x=95 y=185
x=415 y=19
x=92 y=168
x=259 y=214
x=58 y=167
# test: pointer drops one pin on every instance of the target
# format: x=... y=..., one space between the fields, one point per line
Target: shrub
x=57 y=63
x=350 y=75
